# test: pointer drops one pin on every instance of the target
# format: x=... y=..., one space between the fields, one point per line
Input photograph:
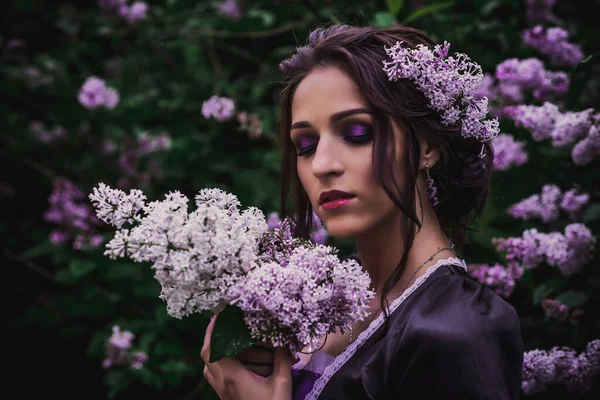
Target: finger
x=283 y=363
x=210 y=379
x=205 y=352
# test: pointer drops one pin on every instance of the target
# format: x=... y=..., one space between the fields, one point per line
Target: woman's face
x=332 y=131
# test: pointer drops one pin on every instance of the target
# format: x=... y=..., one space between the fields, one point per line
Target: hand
x=232 y=381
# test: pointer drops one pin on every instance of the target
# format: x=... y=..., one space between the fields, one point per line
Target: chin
x=343 y=227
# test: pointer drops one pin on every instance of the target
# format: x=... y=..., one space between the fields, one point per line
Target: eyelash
x=357 y=140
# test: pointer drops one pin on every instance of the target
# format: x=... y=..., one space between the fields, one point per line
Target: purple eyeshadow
x=356 y=130
x=305 y=142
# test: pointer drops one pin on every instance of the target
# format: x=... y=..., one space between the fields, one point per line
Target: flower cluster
x=553 y=42
x=133 y=13
x=318 y=233
x=292 y=291
x=94 y=93
x=569 y=252
x=250 y=123
x=563 y=128
x=118 y=351
x=296 y=304
x=198 y=256
x=515 y=75
x=75 y=219
x=45 y=134
x=553 y=308
x=449 y=83
x=230 y=9
x=539 y=11
x=548 y=203
x=561 y=366
x=130 y=158
x=508 y=152
x=219 y=108
x=501 y=279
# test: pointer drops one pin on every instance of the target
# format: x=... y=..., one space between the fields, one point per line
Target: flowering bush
x=171 y=94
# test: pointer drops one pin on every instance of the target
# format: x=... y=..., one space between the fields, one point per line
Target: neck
x=380 y=251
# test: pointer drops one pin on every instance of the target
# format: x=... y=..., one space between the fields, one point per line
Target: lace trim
x=341 y=359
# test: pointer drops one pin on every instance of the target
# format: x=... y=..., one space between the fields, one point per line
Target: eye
x=306 y=146
x=357 y=133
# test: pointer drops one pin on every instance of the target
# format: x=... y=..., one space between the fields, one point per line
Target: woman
x=382 y=140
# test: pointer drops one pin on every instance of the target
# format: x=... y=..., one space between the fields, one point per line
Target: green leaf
x=384 y=19
x=592 y=213
x=230 y=335
x=587 y=62
x=80 y=268
x=40 y=250
x=573 y=299
x=542 y=292
x=394 y=6
x=550 y=286
x=423 y=11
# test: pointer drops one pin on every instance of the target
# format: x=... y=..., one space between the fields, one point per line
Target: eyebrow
x=334 y=118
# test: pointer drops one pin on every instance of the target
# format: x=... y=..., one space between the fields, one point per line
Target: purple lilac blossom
x=47 y=135
x=318 y=233
x=76 y=219
x=569 y=252
x=501 y=279
x=297 y=304
x=508 y=152
x=588 y=148
x=555 y=309
x=138 y=359
x=553 y=42
x=450 y=83
x=134 y=13
x=547 y=204
x=94 y=93
x=539 y=11
x=573 y=202
x=561 y=366
x=547 y=122
x=230 y=9
x=220 y=108
x=514 y=75
x=250 y=123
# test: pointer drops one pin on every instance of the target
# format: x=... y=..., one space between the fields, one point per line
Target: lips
x=332 y=195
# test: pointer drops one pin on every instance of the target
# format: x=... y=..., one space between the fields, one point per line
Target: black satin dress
x=449 y=338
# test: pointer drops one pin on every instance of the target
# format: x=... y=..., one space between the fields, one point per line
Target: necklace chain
x=411 y=278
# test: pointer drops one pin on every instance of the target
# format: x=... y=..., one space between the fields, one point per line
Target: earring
x=431 y=190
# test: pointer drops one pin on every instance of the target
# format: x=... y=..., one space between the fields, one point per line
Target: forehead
x=323 y=92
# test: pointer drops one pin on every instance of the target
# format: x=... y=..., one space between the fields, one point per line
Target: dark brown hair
x=461 y=177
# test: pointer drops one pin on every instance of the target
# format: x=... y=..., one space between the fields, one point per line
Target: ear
x=429 y=154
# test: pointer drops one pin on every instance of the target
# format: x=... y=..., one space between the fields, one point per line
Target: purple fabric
x=303 y=379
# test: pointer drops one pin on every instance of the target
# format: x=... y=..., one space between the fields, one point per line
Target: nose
x=327 y=159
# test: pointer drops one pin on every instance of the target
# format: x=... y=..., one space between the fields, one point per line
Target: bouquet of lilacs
x=291 y=291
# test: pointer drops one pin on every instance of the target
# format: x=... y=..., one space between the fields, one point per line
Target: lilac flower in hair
x=450 y=83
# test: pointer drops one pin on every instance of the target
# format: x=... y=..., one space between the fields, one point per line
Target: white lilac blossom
x=219 y=108
x=196 y=256
x=553 y=42
x=94 y=93
x=569 y=251
x=450 y=83
x=560 y=366
x=508 y=152
x=530 y=74
x=297 y=304
x=501 y=279
x=318 y=233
